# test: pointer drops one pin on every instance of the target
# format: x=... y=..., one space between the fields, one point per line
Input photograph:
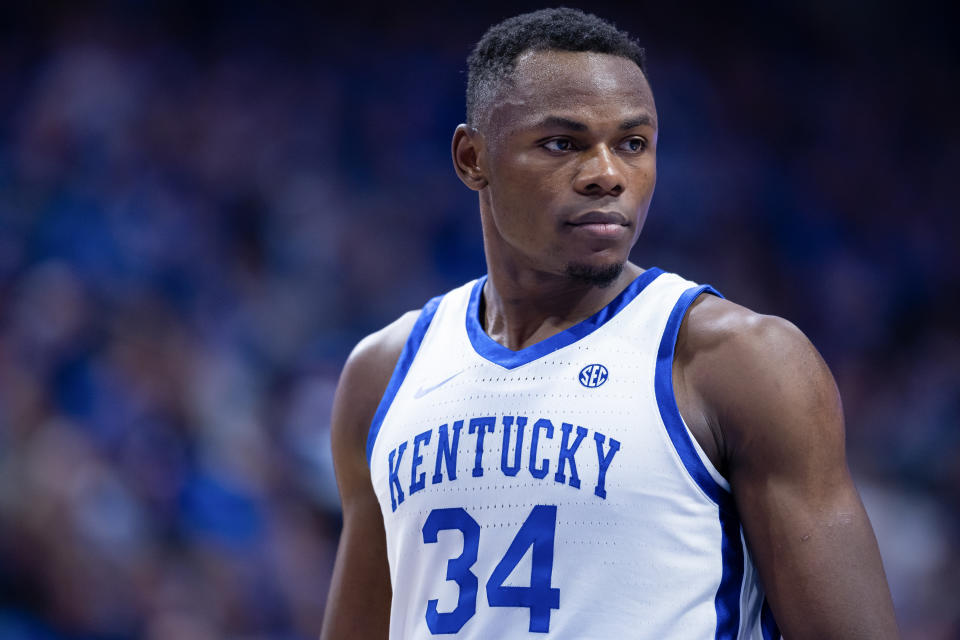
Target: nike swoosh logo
x=422 y=391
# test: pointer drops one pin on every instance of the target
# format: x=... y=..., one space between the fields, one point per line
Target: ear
x=467 y=148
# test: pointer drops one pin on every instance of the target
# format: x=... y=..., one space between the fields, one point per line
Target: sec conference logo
x=593 y=375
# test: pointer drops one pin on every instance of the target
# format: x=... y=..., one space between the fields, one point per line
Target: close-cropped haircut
x=492 y=62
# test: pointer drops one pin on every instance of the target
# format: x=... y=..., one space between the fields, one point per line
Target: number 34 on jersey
x=537 y=531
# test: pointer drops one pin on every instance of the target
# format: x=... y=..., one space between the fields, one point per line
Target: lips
x=599 y=218
x=605 y=226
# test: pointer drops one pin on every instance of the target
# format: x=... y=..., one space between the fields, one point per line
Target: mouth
x=599 y=217
x=604 y=224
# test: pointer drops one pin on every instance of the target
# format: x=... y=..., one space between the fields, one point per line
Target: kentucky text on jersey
x=437 y=449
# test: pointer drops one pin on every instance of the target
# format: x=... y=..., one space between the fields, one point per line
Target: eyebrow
x=562 y=123
x=640 y=121
x=575 y=125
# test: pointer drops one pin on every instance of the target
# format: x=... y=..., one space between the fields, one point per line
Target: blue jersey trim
x=667 y=402
x=496 y=353
x=400 y=371
x=727 y=599
x=767 y=623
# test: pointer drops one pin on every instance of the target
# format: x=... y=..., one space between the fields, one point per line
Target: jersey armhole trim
x=410 y=348
x=733 y=554
x=767 y=623
x=688 y=450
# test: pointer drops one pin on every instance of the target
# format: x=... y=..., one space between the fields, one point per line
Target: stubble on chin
x=597 y=276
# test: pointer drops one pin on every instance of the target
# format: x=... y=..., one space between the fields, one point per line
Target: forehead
x=584 y=85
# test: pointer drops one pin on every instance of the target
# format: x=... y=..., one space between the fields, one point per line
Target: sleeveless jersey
x=555 y=491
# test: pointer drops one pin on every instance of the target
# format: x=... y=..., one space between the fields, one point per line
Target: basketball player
x=573 y=446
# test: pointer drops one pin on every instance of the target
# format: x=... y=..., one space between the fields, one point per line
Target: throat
x=518 y=318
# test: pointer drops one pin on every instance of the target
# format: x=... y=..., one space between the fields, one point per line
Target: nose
x=600 y=174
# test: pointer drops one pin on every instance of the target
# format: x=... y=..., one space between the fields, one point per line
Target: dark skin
x=564 y=165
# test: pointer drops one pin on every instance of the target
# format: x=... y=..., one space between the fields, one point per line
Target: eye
x=633 y=145
x=558 y=145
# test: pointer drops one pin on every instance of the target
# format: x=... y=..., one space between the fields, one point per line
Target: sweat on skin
x=553 y=454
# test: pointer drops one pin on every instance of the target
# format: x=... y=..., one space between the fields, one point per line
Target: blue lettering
x=597 y=378
x=511 y=470
x=448 y=444
x=567 y=454
x=447 y=452
x=541 y=471
x=585 y=376
x=416 y=484
x=394 y=481
x=603 y=462
x=481 y=426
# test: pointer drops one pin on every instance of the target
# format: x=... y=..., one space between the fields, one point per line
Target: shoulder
x=378 y=353
x=364 y=379
x=760 y=383
x=714 y=326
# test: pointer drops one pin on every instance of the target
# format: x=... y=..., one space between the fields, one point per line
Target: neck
x=523 y=307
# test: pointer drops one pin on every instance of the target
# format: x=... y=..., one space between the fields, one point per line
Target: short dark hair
x=494 y=58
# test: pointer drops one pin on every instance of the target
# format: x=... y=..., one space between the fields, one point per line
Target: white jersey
x=555 y=491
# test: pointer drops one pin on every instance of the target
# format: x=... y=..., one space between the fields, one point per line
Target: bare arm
x=768 y=407
x=359 y=601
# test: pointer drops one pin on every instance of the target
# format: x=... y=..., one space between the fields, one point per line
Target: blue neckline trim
x=496 y=353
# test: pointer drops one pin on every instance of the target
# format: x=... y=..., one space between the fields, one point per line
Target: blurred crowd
x=204 y=206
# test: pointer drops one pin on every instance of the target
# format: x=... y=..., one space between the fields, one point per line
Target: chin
x=598 y=275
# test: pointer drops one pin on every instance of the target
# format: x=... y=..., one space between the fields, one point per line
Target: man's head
x=560 y=144
x=494 y=58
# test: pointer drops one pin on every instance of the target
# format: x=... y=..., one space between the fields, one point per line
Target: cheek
x=526 y=172
x=523 y=194
x=643 y=180
x=513 y=213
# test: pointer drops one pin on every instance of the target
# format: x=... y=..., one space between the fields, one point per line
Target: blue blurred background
x=204 y=205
